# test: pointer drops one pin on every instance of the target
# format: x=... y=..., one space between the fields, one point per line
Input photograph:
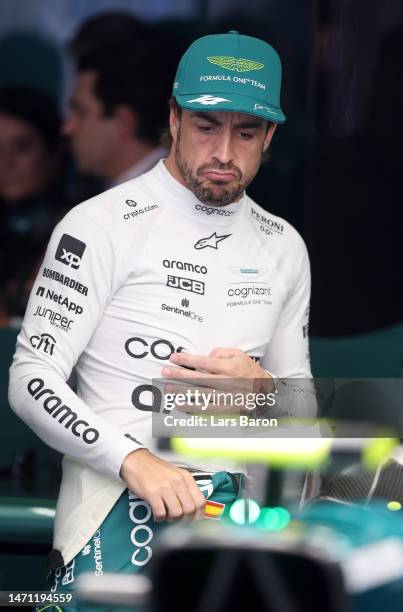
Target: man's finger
x=158 y=508
x=200 y=362
x=173 y=506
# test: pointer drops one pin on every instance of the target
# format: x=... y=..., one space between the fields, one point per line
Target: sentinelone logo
x=214 y=210
x=65 y=280
x=62 y=413
x=185 y=313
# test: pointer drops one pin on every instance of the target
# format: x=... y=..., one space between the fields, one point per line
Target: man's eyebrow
x=206 y=117
x=248 y=125
x=243 y=125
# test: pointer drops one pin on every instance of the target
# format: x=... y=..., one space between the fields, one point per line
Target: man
x=117 y=110
x=176 y=268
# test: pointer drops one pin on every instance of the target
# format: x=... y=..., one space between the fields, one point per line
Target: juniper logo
x=234 y=63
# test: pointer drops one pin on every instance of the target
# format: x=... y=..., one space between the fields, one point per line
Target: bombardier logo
x=211 y=241
x=65 y=280
x=62 y=413
x=70 y=251
x=187 y=284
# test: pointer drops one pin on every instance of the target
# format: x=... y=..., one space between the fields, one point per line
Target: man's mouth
x=216 y=175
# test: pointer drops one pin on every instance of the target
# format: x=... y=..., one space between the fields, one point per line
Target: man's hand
x=171 y=491
x=222 y=366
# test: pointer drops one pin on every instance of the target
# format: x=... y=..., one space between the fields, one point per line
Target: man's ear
x=269 y=136
x=126 y=120
x=174 y=122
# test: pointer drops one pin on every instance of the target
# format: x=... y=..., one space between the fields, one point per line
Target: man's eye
x=206 y=128
x=245 y=135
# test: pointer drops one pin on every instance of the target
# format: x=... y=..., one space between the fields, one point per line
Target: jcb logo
x=187 y=284
x=70 y=251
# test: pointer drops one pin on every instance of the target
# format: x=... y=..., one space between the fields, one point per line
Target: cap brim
x=232 y=103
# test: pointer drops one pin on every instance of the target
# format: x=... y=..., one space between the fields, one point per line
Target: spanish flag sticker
x=213 y=510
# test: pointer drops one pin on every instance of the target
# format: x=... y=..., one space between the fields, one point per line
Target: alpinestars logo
x=211 y=241
x=240 y=64
x=208 y=100
x=187 y=284
x=70 y=251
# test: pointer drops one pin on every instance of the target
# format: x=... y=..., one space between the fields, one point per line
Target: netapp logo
x=65 y=280
x=245 y=292
x=54 y=406
x=55 y=318
x=44 y=343
x=160 y=349
x=70 y=251
x=187 y=284
x=184 y=265
x=212 y=210
x=55 y=297
x=267 y=225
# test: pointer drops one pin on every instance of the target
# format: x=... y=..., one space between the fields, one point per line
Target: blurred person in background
x=119 y=102
x=31 y=198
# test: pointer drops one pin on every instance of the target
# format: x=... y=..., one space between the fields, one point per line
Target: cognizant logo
x=247 y=291
x=213 y=210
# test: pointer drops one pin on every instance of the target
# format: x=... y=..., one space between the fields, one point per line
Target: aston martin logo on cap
x=239 y=64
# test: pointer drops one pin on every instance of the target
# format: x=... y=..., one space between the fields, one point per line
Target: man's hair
x=110 y=29
x=139 y=79
x=166 y=138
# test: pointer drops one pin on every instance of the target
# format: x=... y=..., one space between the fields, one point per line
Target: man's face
x=92 y=135
x=217 y=154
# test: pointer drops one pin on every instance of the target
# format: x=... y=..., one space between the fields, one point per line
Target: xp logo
x=160 y=349
x=44 y=343
x=70 y=251
x=211 y=241
x=208 y=100
x=186 y=284
x=131 y=203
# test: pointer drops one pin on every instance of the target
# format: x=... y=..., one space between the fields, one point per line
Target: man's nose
x=67 y=127
x=224 y=148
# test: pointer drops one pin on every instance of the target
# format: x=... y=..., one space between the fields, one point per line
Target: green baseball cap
x=230 y=72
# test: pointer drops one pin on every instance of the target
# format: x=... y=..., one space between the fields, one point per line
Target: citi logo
x=86 y=550
x=186 y=284
x=44 y=343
